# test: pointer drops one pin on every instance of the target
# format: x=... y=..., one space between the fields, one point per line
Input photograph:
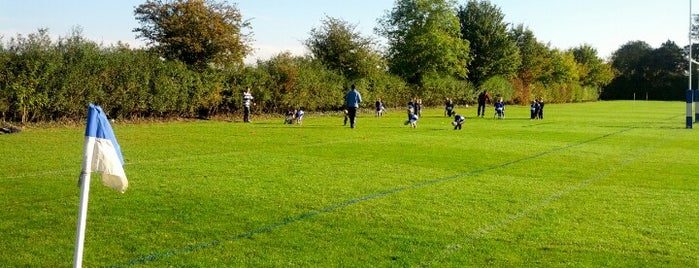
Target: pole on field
x=82 y=220
x=689 y=96
x=82 y=211
x=691 y=35
x=696 y=105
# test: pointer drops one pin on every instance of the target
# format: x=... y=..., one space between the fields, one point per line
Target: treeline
x=42 y=80
x=644 y=72
x=433 y=52
x=45 y=80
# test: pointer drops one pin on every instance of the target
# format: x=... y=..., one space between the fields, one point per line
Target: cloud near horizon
x=266 y=52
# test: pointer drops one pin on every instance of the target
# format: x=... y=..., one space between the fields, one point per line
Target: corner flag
x=102 y=155
x=102 y=152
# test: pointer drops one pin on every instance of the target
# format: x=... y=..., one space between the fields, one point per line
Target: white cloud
x=265 y=52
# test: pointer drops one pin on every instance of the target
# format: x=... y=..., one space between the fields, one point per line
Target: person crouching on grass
x=412 y=119
x=458 y=121
x=289 y=117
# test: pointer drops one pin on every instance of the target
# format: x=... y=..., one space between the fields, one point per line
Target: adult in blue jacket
x=352 y=100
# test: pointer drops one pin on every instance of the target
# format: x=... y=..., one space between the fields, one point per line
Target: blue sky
x=282 y=25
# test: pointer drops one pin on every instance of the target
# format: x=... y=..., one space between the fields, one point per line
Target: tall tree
x=594 y=72
x=534 y=59
x=493 y=51
x=338 y=45
x=666 y=70
x=629 y=57
x=424 y=39
x=532 y=53
x=562 y=68
x=197 y=32
x=657 y=73
x=628 y=60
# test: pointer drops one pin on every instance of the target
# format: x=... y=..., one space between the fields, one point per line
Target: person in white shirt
x=247 y=101
x=299 y=116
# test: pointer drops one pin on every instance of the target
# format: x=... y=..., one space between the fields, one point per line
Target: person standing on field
x=379 y=107
x=247 y=101
x=500 y=108
x=482 y=99
x=352 y=100
x=418 y=107
x=534 y=108
x=448 y=107
x=299 y=115
x=540 y=111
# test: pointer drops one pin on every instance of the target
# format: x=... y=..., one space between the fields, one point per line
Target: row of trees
x=644 y=72
x=193 y=64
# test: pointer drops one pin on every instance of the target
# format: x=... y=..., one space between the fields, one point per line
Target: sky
x=282 y=25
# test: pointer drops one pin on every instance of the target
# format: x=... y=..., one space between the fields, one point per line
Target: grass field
x=613 y=184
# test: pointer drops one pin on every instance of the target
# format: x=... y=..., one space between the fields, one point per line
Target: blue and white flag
x=102 y=152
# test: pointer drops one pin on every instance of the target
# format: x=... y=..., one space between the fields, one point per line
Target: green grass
x=613 y=184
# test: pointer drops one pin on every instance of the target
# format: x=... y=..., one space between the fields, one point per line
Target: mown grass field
x=613 y=184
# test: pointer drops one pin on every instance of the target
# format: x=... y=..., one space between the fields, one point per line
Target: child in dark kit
x=534 y=109
x=412 y=119
x=458 y=121
x=500 y=109
x=289 y=117
x=379 y=107
x=448 y=107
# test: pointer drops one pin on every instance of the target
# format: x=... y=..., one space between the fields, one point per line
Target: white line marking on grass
x=270 y=227
x=45 y=173
x=453 y=248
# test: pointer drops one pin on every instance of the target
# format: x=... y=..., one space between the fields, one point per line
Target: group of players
x=415 y=110
x=294 y=115
x=537 y=109
x=353 y=98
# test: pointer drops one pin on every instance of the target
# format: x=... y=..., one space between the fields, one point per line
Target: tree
x=4 y=77
x=424 y=39
x=628 y=58
x=196 y=32
x=562 y=68
x=339 y=46
x=295 y=81
x=666 y=70
x=534 y=59
x=659 y=73
x=493 y=51
x=32 y=62
x=593 y=71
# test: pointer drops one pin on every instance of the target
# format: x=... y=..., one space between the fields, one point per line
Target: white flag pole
x=84 y=193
